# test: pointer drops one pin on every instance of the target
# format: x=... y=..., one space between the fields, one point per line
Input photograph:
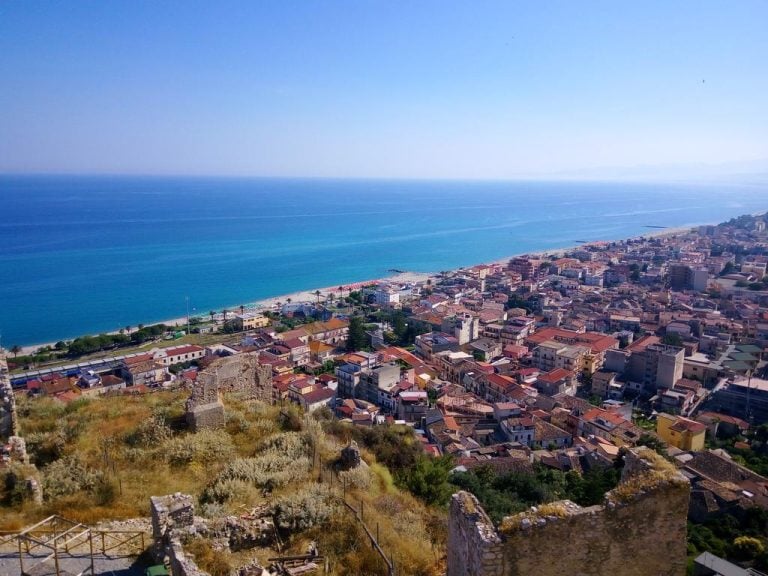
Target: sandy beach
x=271 y=304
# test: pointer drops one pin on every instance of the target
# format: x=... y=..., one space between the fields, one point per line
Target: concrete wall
x=640 y=530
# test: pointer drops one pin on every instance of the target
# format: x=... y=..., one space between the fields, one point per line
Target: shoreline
x=403 y=277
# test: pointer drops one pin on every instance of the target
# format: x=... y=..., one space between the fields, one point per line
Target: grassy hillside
x=103 y=458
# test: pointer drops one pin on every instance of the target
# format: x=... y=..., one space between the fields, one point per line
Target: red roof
x=186 y=349
x=319 y=395
x=137 y=359
x=595 y=341
x=555 y=375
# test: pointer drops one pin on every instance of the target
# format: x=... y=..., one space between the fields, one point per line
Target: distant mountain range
x=750 y=171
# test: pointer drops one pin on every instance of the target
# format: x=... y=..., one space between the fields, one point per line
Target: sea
x=90 y=254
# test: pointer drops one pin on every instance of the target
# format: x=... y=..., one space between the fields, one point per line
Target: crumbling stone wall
x=474 y=546
x=640 y=530
x=171 y=515
x=241 y=373
x=9 y=425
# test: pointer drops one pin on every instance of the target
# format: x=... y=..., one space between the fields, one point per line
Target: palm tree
x=212 y=313
x=15 y=350
x=225 y=312
x=317 y=294
x=341 y=291
x=128 y=329
x=242 y=309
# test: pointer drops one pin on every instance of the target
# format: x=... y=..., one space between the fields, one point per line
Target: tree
x=727 y=269
x=317 y=294
x=673 y=339
x=242 y=309
x=653 y=443
x=428 y=479
x=212 y=313
x=747 y=547
x=15 y=350
x=357 y=339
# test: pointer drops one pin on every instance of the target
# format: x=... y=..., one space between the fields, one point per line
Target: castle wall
x=640 y=530
x=241 y=373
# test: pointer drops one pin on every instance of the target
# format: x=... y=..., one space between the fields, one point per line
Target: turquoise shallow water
x=88 y=254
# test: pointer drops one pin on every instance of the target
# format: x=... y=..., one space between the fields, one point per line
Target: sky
x=397 y=89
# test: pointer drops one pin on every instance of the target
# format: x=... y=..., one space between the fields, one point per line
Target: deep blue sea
x=83 y=255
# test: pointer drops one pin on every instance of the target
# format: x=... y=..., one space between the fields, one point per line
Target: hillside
x=101 y=459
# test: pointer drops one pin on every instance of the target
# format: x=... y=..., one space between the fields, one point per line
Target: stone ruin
x=172 y=517
x=639 y=530
x=350 y=456
x=9 y=423
x=241 y=373
x=14 y=446
x=173 y=520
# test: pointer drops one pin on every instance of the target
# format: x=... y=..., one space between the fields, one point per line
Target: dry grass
x=543 y=511
x=110 y=436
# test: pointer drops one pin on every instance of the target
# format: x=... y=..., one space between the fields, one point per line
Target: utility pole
x=187 y=300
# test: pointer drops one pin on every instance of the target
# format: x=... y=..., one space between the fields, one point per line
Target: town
x=563 y=361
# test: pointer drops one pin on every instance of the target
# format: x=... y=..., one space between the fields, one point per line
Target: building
x=464 y=327
x=526 y=267
x=557 y=381
x=143 y=369
x=519 y=429
x=596 y=344
x=427 y=345
x=380 y=385
x=551 y=355
x=681 y=432
x=386 y=296
x=746 y=398
x=250 y=321
x=412 y=405
x=180 y=354
x=654 y=365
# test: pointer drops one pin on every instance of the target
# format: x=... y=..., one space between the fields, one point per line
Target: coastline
x=403 y=277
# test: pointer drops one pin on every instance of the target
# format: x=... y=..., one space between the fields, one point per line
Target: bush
x=230 y=489
x=105 y=491
x=150 y=433
x=204 y=447
x=356 y=478
x=215 y=562
x=67 y=476
x=303 y=509
x=14 y=488
x=45 y=447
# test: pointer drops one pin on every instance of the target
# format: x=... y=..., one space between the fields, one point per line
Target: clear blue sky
x=475 y=89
